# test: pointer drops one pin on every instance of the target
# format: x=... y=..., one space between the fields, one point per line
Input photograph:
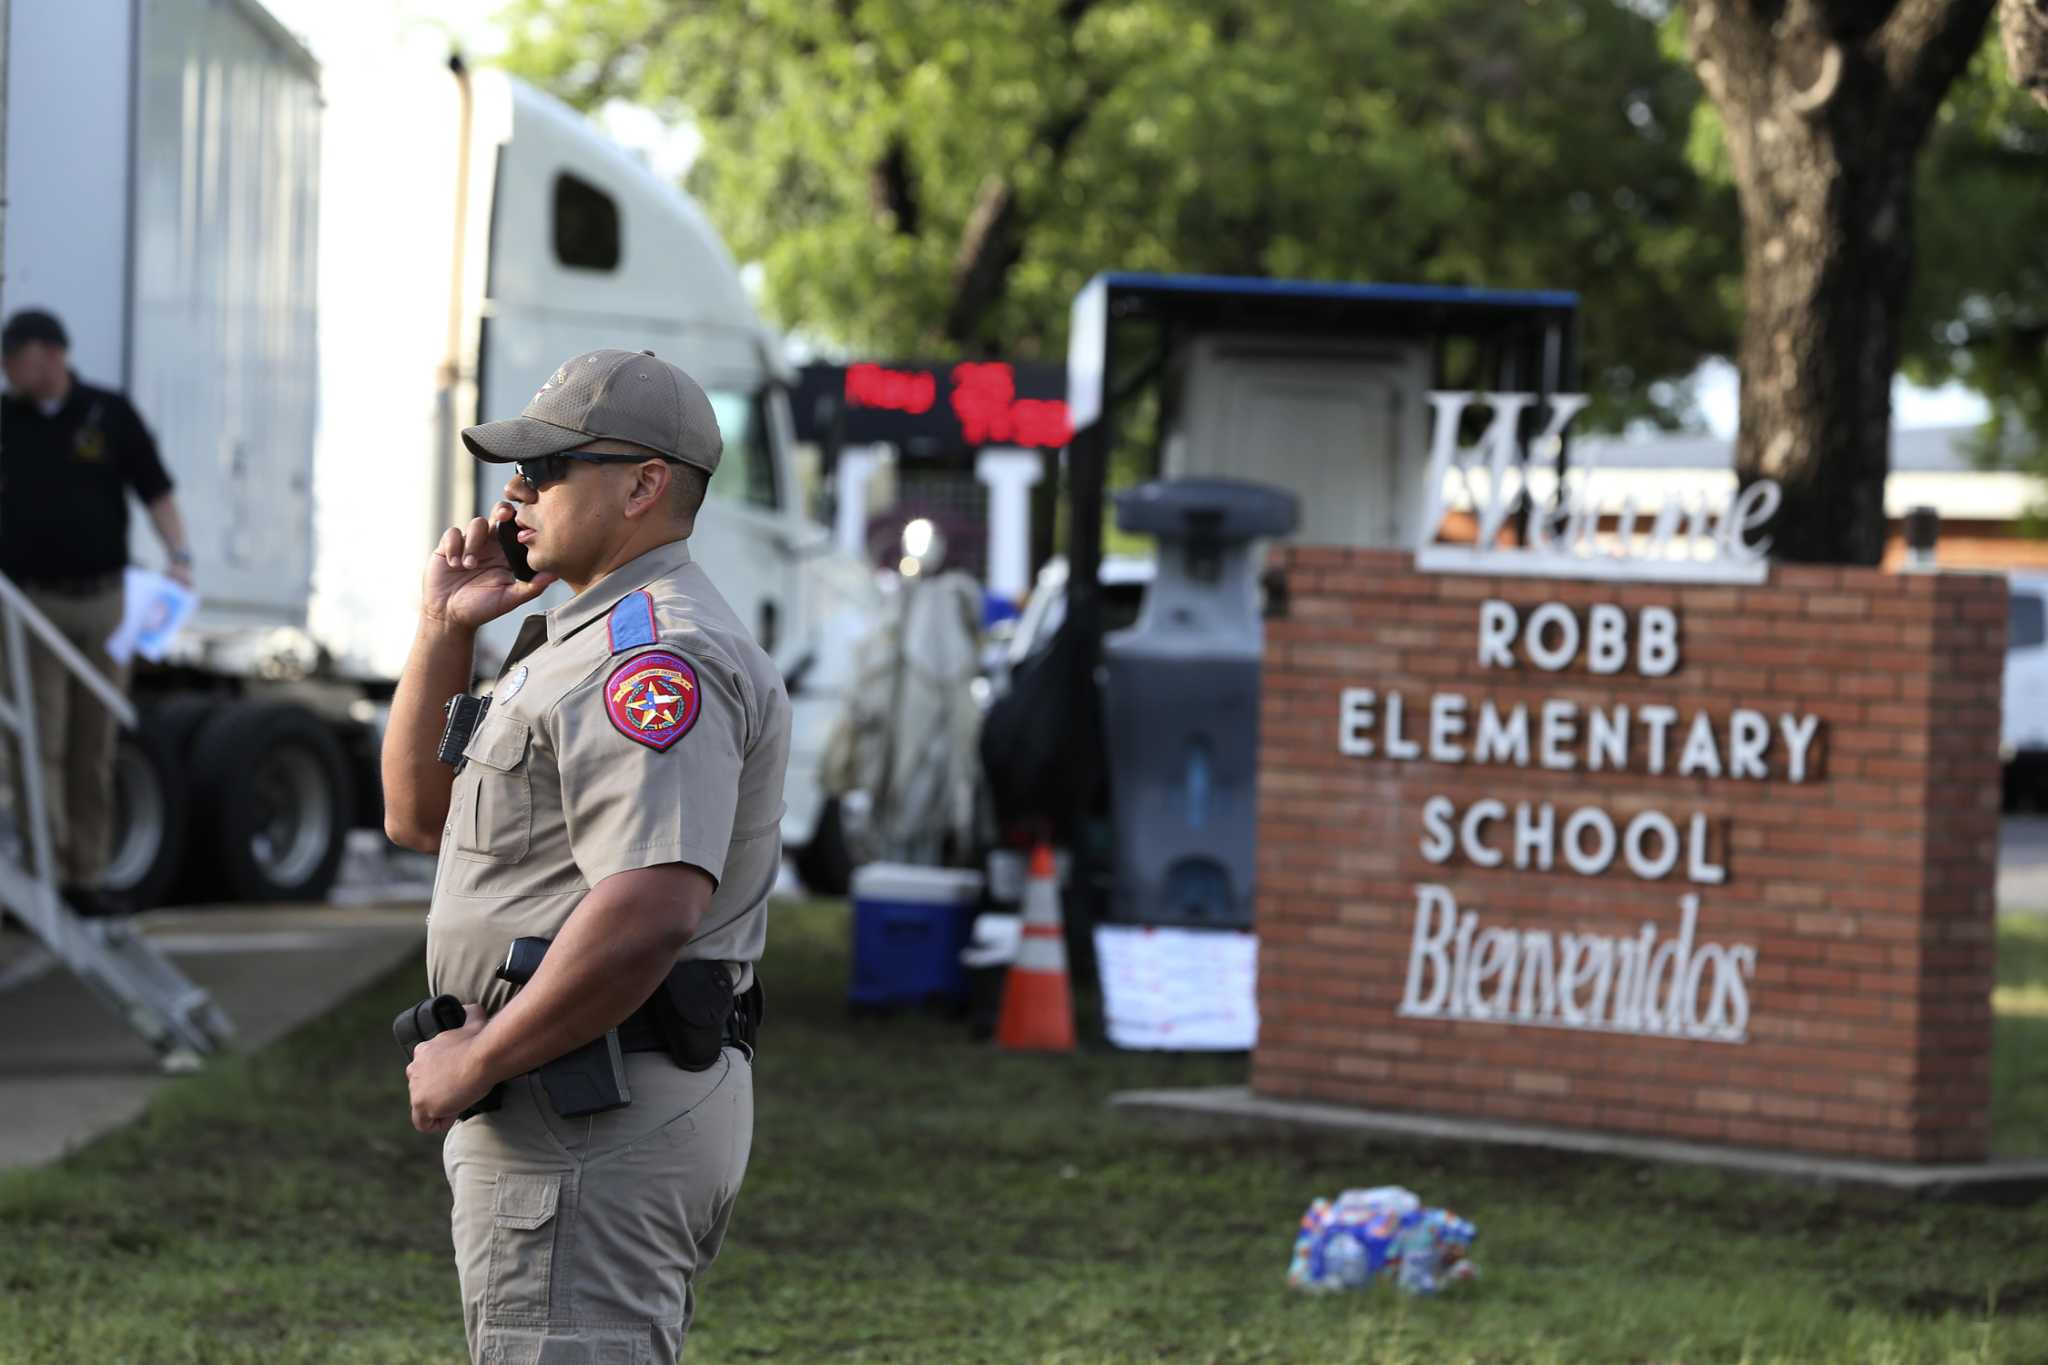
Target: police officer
x=622 y=797
x=70 y=453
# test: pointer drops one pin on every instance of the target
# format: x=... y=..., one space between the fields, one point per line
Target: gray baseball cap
x=617 y=395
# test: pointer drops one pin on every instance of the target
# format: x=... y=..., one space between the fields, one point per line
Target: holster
x=691 y=1009
x=589 y=1080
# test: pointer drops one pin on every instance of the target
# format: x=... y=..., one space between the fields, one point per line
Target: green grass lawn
x=915 y=1197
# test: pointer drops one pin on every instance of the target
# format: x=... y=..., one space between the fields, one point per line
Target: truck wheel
x=826 y=864
x=150 y=810
x=273 y=788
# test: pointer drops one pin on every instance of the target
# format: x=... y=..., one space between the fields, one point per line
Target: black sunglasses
x=549 y=468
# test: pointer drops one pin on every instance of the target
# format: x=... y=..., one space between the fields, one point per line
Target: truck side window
x=746 y=472
x=586 y=225
x=2027 y=624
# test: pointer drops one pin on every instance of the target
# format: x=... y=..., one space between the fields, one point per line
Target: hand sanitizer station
x=1180 y=696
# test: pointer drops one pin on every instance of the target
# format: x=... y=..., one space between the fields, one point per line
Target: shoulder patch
x=632 y=622
x=652 y=699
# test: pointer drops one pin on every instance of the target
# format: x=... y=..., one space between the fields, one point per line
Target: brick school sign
x=1703 y=862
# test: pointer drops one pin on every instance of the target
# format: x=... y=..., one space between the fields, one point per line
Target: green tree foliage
x=1980 y=303
x=1979 y=308
x=935 y=178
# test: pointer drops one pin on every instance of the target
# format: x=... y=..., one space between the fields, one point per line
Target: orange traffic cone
x=1038 y=1007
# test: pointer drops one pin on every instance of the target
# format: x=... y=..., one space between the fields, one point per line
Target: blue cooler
x=909 y=925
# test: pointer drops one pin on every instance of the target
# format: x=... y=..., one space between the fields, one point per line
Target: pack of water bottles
x=1366 y=1236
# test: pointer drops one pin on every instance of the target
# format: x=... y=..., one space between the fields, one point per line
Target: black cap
x=32 y=324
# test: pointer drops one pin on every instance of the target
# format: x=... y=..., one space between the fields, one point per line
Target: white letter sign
x=1694 y=542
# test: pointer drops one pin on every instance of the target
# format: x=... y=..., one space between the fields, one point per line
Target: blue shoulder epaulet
x=632 y=622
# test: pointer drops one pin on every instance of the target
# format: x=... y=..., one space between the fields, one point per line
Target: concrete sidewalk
x=71 y=1070
x=2009 y=1181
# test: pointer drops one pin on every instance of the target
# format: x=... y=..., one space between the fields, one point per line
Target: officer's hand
x=441 y=1078
x=468 y=581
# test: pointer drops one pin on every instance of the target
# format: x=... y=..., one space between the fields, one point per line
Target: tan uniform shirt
x=636 y=724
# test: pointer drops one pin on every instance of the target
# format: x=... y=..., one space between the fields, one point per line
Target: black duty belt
x=642 y=1032
x=637 y=1032
x=591 y=1079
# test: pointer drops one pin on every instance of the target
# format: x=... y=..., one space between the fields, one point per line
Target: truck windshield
x=746 y=472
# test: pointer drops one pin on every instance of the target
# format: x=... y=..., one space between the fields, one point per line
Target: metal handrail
x=17 y=602
x=178 y=1018
x=21 y=617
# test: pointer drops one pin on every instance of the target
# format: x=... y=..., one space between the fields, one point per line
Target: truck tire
x=150 y=817
x=274 y=800
x=825 y=864
x=175 y=718
x=147 y=864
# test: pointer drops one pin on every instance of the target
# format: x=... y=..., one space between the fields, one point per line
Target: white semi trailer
x=308 y=287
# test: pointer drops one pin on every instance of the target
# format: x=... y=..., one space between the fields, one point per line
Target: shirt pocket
x=496 y=824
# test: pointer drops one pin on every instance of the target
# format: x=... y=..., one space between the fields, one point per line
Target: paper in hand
x=155 y=610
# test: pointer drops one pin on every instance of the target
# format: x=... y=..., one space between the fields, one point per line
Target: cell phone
x=515 y=553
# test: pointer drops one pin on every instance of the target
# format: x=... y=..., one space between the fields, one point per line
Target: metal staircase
x=111 y=956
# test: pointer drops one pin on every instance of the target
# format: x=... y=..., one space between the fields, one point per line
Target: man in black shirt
x=69 y=455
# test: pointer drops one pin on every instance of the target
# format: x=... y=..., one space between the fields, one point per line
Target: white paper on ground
x=155 y=609
x=1179 y=990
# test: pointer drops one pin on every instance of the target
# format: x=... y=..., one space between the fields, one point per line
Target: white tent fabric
x=908 y=736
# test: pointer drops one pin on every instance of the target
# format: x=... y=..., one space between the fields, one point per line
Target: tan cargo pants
x=580 y=1241
x=74 y=734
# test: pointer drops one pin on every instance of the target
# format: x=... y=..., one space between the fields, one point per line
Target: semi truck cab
x=309 y=280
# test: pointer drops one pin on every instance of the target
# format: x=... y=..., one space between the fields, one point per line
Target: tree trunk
x=1824 y=107
x=2024 y=25
x=1828 y=253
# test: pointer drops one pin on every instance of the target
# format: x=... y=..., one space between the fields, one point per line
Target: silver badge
x=515 y=680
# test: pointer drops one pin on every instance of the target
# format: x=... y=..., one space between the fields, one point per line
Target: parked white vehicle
x=559 y=241
x=413 y=249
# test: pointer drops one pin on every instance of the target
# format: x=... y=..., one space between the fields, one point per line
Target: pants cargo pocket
x=565 y=1346
x=522 y=1247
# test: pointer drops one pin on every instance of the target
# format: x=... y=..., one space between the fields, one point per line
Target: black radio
x=464 y=713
